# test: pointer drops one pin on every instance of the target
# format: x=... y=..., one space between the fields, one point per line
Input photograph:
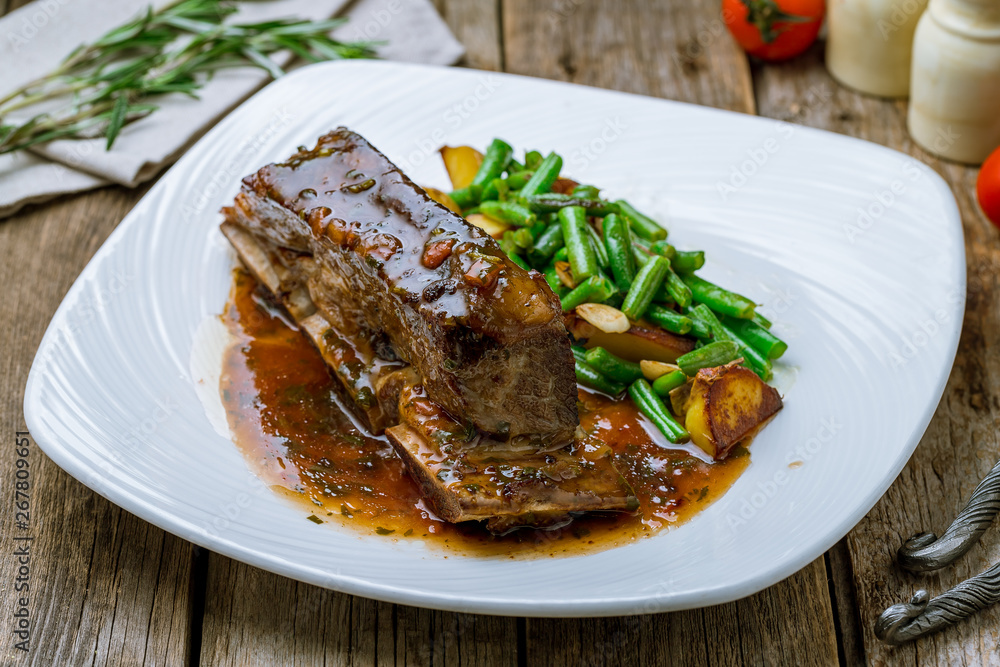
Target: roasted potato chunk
x=444 y=199
x=727 y=404
x=636 y=344
x=461 y=163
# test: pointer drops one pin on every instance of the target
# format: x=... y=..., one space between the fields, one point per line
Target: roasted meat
x=465 y=475
x=486 y=336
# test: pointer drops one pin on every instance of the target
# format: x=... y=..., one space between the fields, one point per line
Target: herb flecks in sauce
x=286 y=418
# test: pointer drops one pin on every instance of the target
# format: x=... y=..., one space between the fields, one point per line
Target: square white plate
x=855 y=250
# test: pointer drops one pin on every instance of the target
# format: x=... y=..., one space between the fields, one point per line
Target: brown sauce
x=287 y=420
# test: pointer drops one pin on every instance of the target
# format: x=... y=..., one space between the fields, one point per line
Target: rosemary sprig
x=103 y=86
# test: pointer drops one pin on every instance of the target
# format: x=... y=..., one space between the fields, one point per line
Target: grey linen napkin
x=36 y=37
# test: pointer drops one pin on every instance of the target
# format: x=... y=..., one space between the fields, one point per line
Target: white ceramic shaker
x=955 y=80
x=869 y=43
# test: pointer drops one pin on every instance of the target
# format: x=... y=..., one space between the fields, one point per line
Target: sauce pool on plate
x=291 y=426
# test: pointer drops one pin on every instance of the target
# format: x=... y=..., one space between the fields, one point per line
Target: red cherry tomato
x=988 y=187
x=774 y=29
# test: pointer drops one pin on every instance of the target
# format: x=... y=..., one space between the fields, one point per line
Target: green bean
x=587 y=192
x=562 y=255
x=514 y=166
x=688 y=261
x=615 y=300
x=532 y=159
x=637 y=240
x=662 y=295
x=507 y=211
x=537 y=228
x=517 y=180
x=650 y=405
x=640 y=294
x=594 y=289
x=718 y=299
x=579 y=352
x=582 y=258
x=669 y=320
x=644 y=226
x=719 y=353
x=757 y=336
x=523 y=238
x=543 y=178
x=619 y=249
x=665 y=384
x=702 y=313
x=598 y=244
x=663 y=249
x=640 y=248
x=761 y=321
x=640 y=256
x=468 y=196
x=613 y=367
x=753 y=359
x=678 y=290
x=546 y=244
x=555 y=282
x=552 y=202
x=510 y=248
x=699 y=329
x=497 y=157
x=497 y=189
x=590 y=377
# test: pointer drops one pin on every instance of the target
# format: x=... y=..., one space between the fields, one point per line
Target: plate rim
x=604 y=606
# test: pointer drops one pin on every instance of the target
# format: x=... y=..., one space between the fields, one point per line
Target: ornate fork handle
x=905 y=622
x=923 y=615
x=925 y=551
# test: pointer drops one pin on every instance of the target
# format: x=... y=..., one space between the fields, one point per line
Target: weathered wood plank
x=676 y=50
x=787 y=624
x=303 y=624
x=960 y=445
x=679 y=51
x=477 y=26
x=105 y=587
x=299 y=624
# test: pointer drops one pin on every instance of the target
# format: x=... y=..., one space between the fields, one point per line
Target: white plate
x=872 y=309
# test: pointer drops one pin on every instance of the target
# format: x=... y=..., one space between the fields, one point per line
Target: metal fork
x=925 y=552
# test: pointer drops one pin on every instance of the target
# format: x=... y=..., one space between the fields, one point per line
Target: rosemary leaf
x=117 y=120
x=103 y=86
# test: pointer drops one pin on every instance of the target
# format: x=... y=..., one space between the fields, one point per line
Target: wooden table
x=108 y=588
